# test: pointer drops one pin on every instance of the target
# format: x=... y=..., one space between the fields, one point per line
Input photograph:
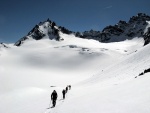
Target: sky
x=18 y=17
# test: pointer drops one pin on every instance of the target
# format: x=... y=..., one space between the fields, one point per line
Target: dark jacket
x=63 y=92
x=54 y=95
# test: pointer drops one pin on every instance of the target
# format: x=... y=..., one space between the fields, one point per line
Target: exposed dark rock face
x=123 y=30
x=147 y=36
x=145 y=71
x=64 y=30
x=43 y=29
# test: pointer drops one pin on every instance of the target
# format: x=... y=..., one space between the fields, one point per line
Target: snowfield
x=104 y=76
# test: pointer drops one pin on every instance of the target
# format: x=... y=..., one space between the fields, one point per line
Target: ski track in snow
x=102 y=76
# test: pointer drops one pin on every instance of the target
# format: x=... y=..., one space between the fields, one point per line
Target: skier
x=66 y=89
x=54 y=98
x=63 y=92
x=69 y=87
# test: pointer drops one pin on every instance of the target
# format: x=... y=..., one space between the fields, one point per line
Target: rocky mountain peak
x=46 y=29
x=121 y=31
x=140 y=17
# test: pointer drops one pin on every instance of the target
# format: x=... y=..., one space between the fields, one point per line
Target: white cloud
x=108 y=7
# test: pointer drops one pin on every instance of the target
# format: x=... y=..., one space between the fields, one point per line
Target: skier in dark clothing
x=69 y=87
x=63 y=92
x=66 y=89
x=54 y=98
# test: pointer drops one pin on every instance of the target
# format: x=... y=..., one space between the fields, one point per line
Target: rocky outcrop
x=121 y=31
x=147 y=36
x=2 y=45
x=46 y=29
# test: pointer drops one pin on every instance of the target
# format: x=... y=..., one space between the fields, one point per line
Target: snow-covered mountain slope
x=104 y=76
x=2 y=45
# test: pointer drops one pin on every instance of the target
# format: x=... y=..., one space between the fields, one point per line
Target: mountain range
x=121 y=31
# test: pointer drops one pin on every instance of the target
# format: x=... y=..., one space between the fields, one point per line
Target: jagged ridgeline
x=123 y=30
x=43 y=29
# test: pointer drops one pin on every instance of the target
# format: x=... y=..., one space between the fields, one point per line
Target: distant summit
x=123 y=30
x=135 y=27
x=46 y=29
